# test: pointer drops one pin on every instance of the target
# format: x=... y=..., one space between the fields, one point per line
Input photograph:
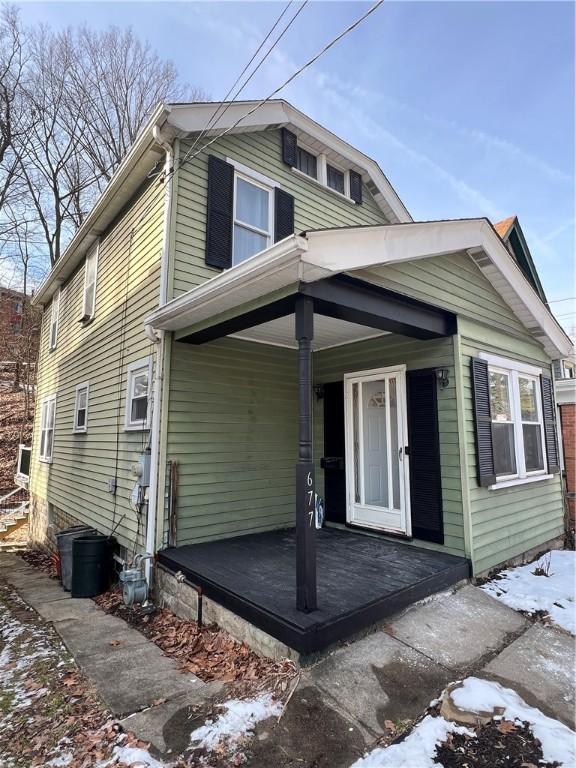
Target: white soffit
x=328 y=332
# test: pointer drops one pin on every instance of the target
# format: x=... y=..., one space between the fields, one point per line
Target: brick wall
x=568 y=419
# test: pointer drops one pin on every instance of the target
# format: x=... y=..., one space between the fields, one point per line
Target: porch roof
x=313 y=256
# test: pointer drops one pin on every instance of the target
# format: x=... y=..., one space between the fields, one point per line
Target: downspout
x=158 y=337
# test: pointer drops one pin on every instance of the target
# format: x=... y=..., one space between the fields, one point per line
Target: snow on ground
x=557 y=740
x=237 y=721
x=520 y=589
x=418 y=749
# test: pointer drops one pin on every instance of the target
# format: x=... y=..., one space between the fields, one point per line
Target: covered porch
x=360 y=581
x=309 y=586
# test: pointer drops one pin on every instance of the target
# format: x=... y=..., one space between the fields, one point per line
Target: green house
x=256 y=367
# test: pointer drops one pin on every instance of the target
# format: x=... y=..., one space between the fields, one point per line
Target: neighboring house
x=236 y=329
x=565 y=385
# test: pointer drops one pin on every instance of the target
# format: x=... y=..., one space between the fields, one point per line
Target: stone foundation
x=525 y=557
x=45 y=521
x=175 y=593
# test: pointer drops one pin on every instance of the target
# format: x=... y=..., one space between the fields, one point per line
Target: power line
x=292 y=77
x=556 y=301
x=217 y=113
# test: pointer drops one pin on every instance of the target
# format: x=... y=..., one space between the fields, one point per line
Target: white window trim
x=515 y=370
x=133 y=368
x=87 y=316
x=251 y=174
x=269 y=235
x=55 y=319
x=45 y=401
x=75 y=428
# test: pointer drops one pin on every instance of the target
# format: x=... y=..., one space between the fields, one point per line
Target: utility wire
x=292 y=77
x=225 y=103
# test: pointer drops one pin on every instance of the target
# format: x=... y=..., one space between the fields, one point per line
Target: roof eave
x=117 y=192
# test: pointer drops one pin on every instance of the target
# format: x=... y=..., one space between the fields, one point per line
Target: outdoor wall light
x=442 y=377
x=319 y=391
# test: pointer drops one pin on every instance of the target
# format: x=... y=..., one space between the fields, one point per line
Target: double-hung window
x=90 y=275
x=54 y=315
x=253 y=218
x=517 y=421
x=335 y=179
x=138 y=395
x=47 y=424
x=81 y=408
x=306 y=162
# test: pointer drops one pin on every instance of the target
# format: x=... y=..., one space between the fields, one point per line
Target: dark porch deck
x=361 y=580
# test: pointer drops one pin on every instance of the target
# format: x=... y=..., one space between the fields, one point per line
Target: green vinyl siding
x=315 y=207
x=99 y=353
x=233 y=430
x=452 y=282
x=508 y=521
x=331 y=365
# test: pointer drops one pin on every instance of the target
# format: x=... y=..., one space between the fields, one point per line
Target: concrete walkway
x=341 y=705
x=131 y=674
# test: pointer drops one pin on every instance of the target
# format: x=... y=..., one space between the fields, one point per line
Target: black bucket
x=91 y=565
x=65 y=539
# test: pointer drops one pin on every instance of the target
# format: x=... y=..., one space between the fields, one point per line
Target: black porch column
x=305 y=523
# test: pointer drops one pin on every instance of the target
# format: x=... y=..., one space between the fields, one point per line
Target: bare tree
x=84 y=95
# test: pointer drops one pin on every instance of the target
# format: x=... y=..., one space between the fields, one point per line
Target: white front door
x=377 y=479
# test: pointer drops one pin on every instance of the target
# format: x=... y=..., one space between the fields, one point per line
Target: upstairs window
x=253 y=218
x=81 y=408
x=54 y=314
x=47 y=423
x=306 y=162
x=90 y=275
x=335 y=179
x=138 y=395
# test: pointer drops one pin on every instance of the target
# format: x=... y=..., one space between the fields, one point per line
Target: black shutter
x=424 y=456
x=486 y=473
x=550 y=431
x=283 y=214
x=289 y=147
x=219 y=213
x=356 y=187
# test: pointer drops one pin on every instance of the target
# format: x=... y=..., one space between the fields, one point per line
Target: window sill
x=79 y=431
x=44 y=461
x=136 y=428
x=86 y=320
x=519 y=481
x=323 y=186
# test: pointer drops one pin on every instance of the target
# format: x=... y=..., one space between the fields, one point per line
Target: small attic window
x=306 y=162
x=335 y=179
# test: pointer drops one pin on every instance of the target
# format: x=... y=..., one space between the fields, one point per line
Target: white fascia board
x=343 y=250
x=192 y=118
x=277 y=266
x=126 y=179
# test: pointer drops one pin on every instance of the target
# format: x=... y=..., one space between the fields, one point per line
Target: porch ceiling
x=328 y=332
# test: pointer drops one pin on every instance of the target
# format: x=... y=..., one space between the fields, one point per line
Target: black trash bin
x=91 y=565
x=65 y=539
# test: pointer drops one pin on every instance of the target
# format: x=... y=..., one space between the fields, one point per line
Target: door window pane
x=375 y=447
x=252 y=204
x=504 y=450
x=356 y=443
x=533 y=447
x=247 y=243
x=394 y=444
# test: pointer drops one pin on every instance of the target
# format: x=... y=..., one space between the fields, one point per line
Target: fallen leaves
x=207 y=651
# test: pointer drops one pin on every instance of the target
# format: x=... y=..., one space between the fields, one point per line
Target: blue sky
x=467 y=106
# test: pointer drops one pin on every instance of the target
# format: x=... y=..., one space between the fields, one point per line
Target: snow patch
x=557 y=740
x=520 y=589
x=417 y=749
x=237 y=721
x=134 y=757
